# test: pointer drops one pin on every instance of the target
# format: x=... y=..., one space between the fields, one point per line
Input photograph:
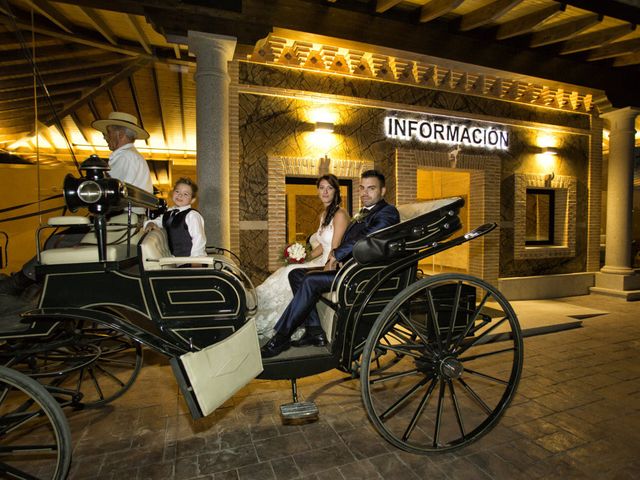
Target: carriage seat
x=86 y=251
x=421 y=223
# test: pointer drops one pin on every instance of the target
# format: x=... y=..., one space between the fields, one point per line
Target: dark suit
x=307 y=285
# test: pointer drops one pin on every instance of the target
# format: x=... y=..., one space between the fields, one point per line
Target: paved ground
x=576 y=415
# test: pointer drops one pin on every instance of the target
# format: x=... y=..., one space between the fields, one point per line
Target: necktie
x=172 y=217
x=363 y=210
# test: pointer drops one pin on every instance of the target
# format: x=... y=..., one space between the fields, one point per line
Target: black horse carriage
x=439 y=357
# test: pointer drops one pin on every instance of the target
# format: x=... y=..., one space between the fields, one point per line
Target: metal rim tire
x=35 y=439
x=450 y=385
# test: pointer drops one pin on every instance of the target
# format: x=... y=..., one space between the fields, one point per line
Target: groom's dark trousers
x=308 y=284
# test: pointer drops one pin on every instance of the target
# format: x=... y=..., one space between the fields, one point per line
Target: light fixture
x=326 y=127
x=549 y=151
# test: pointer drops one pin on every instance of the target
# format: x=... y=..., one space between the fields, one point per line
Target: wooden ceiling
x=94 y=56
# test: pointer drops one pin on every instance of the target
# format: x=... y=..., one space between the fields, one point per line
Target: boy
x=184 y=225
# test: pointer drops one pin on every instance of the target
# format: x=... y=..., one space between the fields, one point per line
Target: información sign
x=446 y=132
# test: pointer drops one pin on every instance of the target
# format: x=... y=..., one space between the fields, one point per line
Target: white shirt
x=129 y=166
x=195 y=227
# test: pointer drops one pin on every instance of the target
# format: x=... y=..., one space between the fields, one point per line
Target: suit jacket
x=382 y=215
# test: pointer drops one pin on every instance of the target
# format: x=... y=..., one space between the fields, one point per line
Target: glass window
x=540 y=216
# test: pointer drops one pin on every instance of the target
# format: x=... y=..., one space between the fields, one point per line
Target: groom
x=308 y=285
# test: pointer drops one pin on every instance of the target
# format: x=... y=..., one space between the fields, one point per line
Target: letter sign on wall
x=446 y=132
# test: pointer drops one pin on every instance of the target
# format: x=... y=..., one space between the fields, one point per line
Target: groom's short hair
x=374 y=173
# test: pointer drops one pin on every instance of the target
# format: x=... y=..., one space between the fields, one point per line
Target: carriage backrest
x=154 y=246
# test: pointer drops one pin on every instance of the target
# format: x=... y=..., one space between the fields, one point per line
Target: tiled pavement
x=576 y=415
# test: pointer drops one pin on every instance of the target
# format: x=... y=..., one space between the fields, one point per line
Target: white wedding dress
x=274 y=294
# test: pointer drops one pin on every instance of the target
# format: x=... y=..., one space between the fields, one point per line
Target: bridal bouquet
x=295 y=253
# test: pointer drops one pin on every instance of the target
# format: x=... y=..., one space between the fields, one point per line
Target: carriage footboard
x=209 y=377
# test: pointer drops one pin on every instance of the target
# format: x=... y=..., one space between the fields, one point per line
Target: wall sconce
x=326 y=127
x=549 y=151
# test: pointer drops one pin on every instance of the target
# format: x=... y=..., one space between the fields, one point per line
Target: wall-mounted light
x=326 y=127
x=549 y=151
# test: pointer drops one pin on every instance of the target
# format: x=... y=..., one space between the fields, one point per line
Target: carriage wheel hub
x=451 y=367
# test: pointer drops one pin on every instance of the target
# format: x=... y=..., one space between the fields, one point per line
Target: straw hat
x=123 y=120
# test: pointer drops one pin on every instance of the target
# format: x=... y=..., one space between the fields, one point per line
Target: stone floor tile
x=363 y=443
x=389 y=466
x=227 y=459
x=282 y=446
x=257 y=471
x=360 y=470
x=285 y=468
x=313 y=461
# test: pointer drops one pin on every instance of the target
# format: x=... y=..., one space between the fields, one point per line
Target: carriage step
x=299 y=412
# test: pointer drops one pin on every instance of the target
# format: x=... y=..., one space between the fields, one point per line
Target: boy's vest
x=180 y=242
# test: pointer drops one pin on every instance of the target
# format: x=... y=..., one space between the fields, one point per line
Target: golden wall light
x=326 y=127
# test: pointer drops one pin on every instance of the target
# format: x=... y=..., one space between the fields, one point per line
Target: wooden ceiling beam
x=181 y=95
x=437 y=8
x=15 y=102
x=128 y=70
x=564 y=31
x=52 y=67
x=10 y=41
x=142 y=38
x=57 y=52
x=626 y=60
x=81 y=128
x=486 y=14
x=58 y=78
x=616 y=49
x=384 y=5
x=27 y=93
x=51 y=13
x=136 y=103
x=597 y=39
x=46 y=134
x=526 y=23
x=83 y=37
x=99 y=24
x=113 y=100
x=159 y=103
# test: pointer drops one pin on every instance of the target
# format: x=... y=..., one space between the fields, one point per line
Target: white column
x=213 y=52
x=620 y=191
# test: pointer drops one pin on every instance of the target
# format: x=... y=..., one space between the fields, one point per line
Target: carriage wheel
x=35 y=440
x=92 y=364
x=453 y=379
x=113 y=371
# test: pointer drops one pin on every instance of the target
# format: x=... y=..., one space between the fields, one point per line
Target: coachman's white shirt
x=129 y=166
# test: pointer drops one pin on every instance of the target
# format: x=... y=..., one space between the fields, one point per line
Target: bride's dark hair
x=333 y=207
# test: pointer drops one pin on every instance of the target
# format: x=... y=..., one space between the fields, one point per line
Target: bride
x=274 y=294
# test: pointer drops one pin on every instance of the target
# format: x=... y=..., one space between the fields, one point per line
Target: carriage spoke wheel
x=95 y=365
x=114 y=370
x=35 y=440
x=459 y=360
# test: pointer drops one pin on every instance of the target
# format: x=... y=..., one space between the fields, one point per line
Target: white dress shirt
x=129 y=166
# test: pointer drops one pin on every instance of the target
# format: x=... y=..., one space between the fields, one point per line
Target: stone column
x=617 y=277
x=212 y=132
x=620 y=190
